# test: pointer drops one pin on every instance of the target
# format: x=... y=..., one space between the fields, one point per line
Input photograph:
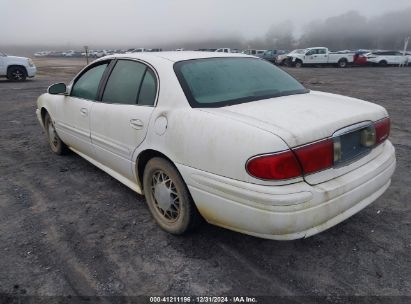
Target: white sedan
x=227 y=137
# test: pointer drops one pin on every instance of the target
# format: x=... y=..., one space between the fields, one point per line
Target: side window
x=86 y=86
x=148 y=90
x=321 y=51
x=124 y=82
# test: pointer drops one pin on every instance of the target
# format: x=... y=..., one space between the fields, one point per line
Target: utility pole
x=86 y=49
x=405 y=62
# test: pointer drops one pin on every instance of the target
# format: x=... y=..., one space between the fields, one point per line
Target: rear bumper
x=293 y=211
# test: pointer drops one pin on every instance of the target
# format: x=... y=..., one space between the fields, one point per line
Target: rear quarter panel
x=211 y=143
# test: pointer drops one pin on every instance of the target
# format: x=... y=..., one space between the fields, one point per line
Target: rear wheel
x=383 y=63
x=56 y=144
x=17 y=73
x=168 y=198
x=342 y=63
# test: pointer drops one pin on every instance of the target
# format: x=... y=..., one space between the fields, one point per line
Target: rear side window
x=148 y=90
x=124 y=82
x=86 y=86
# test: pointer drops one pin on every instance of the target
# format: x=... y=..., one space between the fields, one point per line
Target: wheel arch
x=142 y=160
x=43 y=112
x=16 y=66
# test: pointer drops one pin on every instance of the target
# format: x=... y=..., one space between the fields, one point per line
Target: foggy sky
x=154 y=23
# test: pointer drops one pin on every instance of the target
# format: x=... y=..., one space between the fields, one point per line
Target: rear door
x=120 y=120
x=73 y=111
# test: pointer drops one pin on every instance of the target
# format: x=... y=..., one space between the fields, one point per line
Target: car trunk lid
x=307 y=118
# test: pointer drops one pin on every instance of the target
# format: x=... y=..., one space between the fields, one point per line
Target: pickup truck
x=320 y=56
x=16 y=68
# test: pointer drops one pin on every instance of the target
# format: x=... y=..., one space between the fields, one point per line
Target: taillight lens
x=317 y=156
x=314 y=157
x=382 y=130
x=277 y=166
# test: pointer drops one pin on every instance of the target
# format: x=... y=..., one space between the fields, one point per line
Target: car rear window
x=215 y=82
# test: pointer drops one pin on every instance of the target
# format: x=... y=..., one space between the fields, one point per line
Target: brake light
x=382 y=130
x=317 y=156
x=277 y=166
x=313 y=157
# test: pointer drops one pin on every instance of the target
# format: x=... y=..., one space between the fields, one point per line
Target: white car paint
x=7 y=61
x=387 y=57
x=210 y=147
x=320 y=56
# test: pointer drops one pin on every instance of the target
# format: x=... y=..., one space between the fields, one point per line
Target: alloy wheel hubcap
x=17 y=75
x=166 y=198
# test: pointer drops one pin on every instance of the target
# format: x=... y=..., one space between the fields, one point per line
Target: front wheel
x=298 y=64
x=168 y=198
x=16 y=74
x=56 y=144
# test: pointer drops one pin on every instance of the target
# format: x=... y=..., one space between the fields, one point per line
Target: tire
x=343 y=63
x=56 y=144
x=298 y=64
x=168 y=197
x=383 y=63
x=17 y=73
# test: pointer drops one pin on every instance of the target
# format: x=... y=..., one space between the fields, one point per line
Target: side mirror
x=57 y=88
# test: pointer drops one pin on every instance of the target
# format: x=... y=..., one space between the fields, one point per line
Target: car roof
x=176 y=56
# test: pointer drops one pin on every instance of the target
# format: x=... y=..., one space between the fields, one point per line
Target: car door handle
x=136 y=124
x=83 y=111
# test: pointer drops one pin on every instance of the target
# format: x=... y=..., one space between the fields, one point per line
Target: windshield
x=216 y=82
x=2 y=54
x=300 y=51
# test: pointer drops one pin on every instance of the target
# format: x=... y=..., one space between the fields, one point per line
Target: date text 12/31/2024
x=203 y=299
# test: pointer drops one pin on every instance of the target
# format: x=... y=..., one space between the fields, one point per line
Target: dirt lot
x=67 y=228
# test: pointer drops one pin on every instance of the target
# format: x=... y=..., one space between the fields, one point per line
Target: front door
x=119 y=122
x=316 y=56
x=73 y=112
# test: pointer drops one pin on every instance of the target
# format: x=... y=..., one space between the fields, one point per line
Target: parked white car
x=229 y=137
x=321 y=56
x=139 y=50
x=285 y=58
x=16 y=68
x=42 y=53
x=226 y=50
x=384 y=58
x=253 y=52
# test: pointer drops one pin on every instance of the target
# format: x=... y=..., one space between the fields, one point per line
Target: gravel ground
x=67 y=228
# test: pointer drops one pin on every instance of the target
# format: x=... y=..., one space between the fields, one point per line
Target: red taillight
x=308 y=159
x=382 y=130
x=281 y=165
x=317 y=156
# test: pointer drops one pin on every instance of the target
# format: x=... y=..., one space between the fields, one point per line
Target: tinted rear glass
x=215 y=82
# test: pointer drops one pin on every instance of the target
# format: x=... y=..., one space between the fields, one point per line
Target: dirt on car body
x=67 y=228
